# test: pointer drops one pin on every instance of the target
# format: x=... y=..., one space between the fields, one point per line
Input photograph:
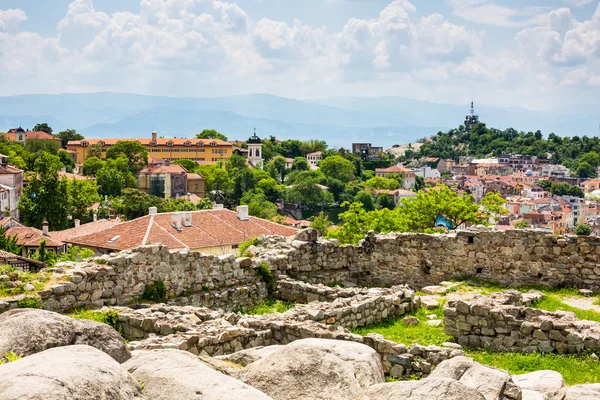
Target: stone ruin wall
x=515 y=258
x=212 y=333
x=503 y=323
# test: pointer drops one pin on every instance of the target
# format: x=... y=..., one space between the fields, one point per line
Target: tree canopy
x=134 y=151
x=211 y=134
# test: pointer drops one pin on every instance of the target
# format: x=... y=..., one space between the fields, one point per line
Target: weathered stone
x=427 y=389
x=548 y=383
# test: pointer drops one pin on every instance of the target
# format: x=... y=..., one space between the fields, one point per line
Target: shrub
x=266 y=275
x=583 y=230
x=10 y=357
x=244 y=247
x=29 y=302
x=156 y=292
x=109 y=317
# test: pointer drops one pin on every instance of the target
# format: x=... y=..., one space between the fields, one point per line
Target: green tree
x=76 y=254
x=337 y=167
x=38 y=145
x=46 y=196
x=382 y=183
x=66 y=160
x=9 y=243
x=492 y=204
x=386 y=200
x=189 y=165
x=211 y=134
x=46 y=256
x=173 y=205
x=134 y=203
x=367 y=200
x=419 y=183
x=544 y=184
x=69 y=135
x=522 y=225
x=115 y=176
x=258 y=204
x=276 y=167
x=300 y=164
x=321 y=223
x=204 y=204
x=91 y=166
x=585 y=170
x=583 y=230
x=136 y=154
x=82 y=194
x=217 y=180
x=43 y=127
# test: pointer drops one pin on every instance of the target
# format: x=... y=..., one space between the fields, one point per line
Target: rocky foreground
x=64 y=358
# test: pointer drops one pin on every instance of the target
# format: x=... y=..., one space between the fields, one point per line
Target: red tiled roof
x=9 y=169
x=33 y=135
x=210 y=228
x=159 y=141
x=194 y=176
x=392 y=169
x=83 y=230
x=31 y=237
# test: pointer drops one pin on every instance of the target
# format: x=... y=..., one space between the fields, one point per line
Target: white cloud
x=487 y=12
x=10 y=19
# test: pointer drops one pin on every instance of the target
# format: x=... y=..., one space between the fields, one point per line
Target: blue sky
x=530 y=53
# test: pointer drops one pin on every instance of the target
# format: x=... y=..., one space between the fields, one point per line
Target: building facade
x=314 y=158
x=407 y=175
x=203 y=150
x=367 y=151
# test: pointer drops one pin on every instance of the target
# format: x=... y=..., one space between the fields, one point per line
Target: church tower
x=255 y=151
x=472 y=119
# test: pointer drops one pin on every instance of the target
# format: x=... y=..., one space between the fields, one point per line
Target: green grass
x=38 y=280
x=269 y=306
x=552 y=302
x=109 y=317
x=397 y=331
x=575 y=369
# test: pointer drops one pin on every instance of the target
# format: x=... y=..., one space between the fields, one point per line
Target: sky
x=527 y=53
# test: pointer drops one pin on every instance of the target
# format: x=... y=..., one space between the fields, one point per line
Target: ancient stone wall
x=194 y=278
x=503 y=323
x=516 y=258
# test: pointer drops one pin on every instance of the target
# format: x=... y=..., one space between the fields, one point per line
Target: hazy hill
x=339 y=121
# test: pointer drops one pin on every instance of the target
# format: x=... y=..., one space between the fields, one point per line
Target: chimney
x=176 y=220
x=217 y=206
x=45 y=228
x=95 y=217
x=242 y=213
x=154 y=136
x=77 y=223
x=63 y=169
x=152 y=210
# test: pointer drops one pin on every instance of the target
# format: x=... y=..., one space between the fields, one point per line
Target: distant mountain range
x=339 y=121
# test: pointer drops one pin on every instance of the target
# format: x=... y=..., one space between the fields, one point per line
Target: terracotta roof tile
x=210 y=228
x=147 y=141
x=30 y=237
x=83 y=230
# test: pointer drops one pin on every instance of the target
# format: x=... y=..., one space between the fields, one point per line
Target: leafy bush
x=10 y=357
x=583 y=230
x=109 y=317
x=156 y=292
x=245 y=245
x=29 y=302
x=266 y=275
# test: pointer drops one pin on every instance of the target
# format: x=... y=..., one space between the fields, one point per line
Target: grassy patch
x=269 y=306
x=38 y=280
x=574 y=369
x=109 y=317
x=245 y=245
x=552 y=302
x=398 y=331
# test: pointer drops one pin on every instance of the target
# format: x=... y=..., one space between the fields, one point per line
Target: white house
x=314 y=158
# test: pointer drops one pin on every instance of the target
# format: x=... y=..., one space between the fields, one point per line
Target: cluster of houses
x=513 y=177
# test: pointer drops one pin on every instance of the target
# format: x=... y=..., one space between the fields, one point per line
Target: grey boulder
x=26 y=331
x=248 y=356
x=426 y=389
x=316 y=369
x=67 y=373
x=546 y=382
x=583 y=392
x=493 y=384
x=175 y=374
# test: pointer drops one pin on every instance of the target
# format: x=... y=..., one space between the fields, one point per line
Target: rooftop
x=209 y=228
x=159 y=141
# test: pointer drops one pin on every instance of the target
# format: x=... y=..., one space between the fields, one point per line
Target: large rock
x=27 y=331
x=67 y=373
x=248 y=356
x=315 y=369
x=532 y=395
x=368 y=368
x=307 y=235
x=426 y=389
x=175 y=374
x=582 y=392
x=549 y=383
x=493 y=384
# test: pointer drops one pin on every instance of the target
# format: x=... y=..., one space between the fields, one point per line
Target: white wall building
x=427 y=173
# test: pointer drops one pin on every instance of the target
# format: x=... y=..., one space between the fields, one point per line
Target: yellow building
x=207 y=150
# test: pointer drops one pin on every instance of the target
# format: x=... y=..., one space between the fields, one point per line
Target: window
x=196 y=187
x=84 y=143
x=101 y=143
x=152 y=143
x=213 y=144
x=170 y=143
x=187 y=144
x=201 y=151
x=200 y=143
